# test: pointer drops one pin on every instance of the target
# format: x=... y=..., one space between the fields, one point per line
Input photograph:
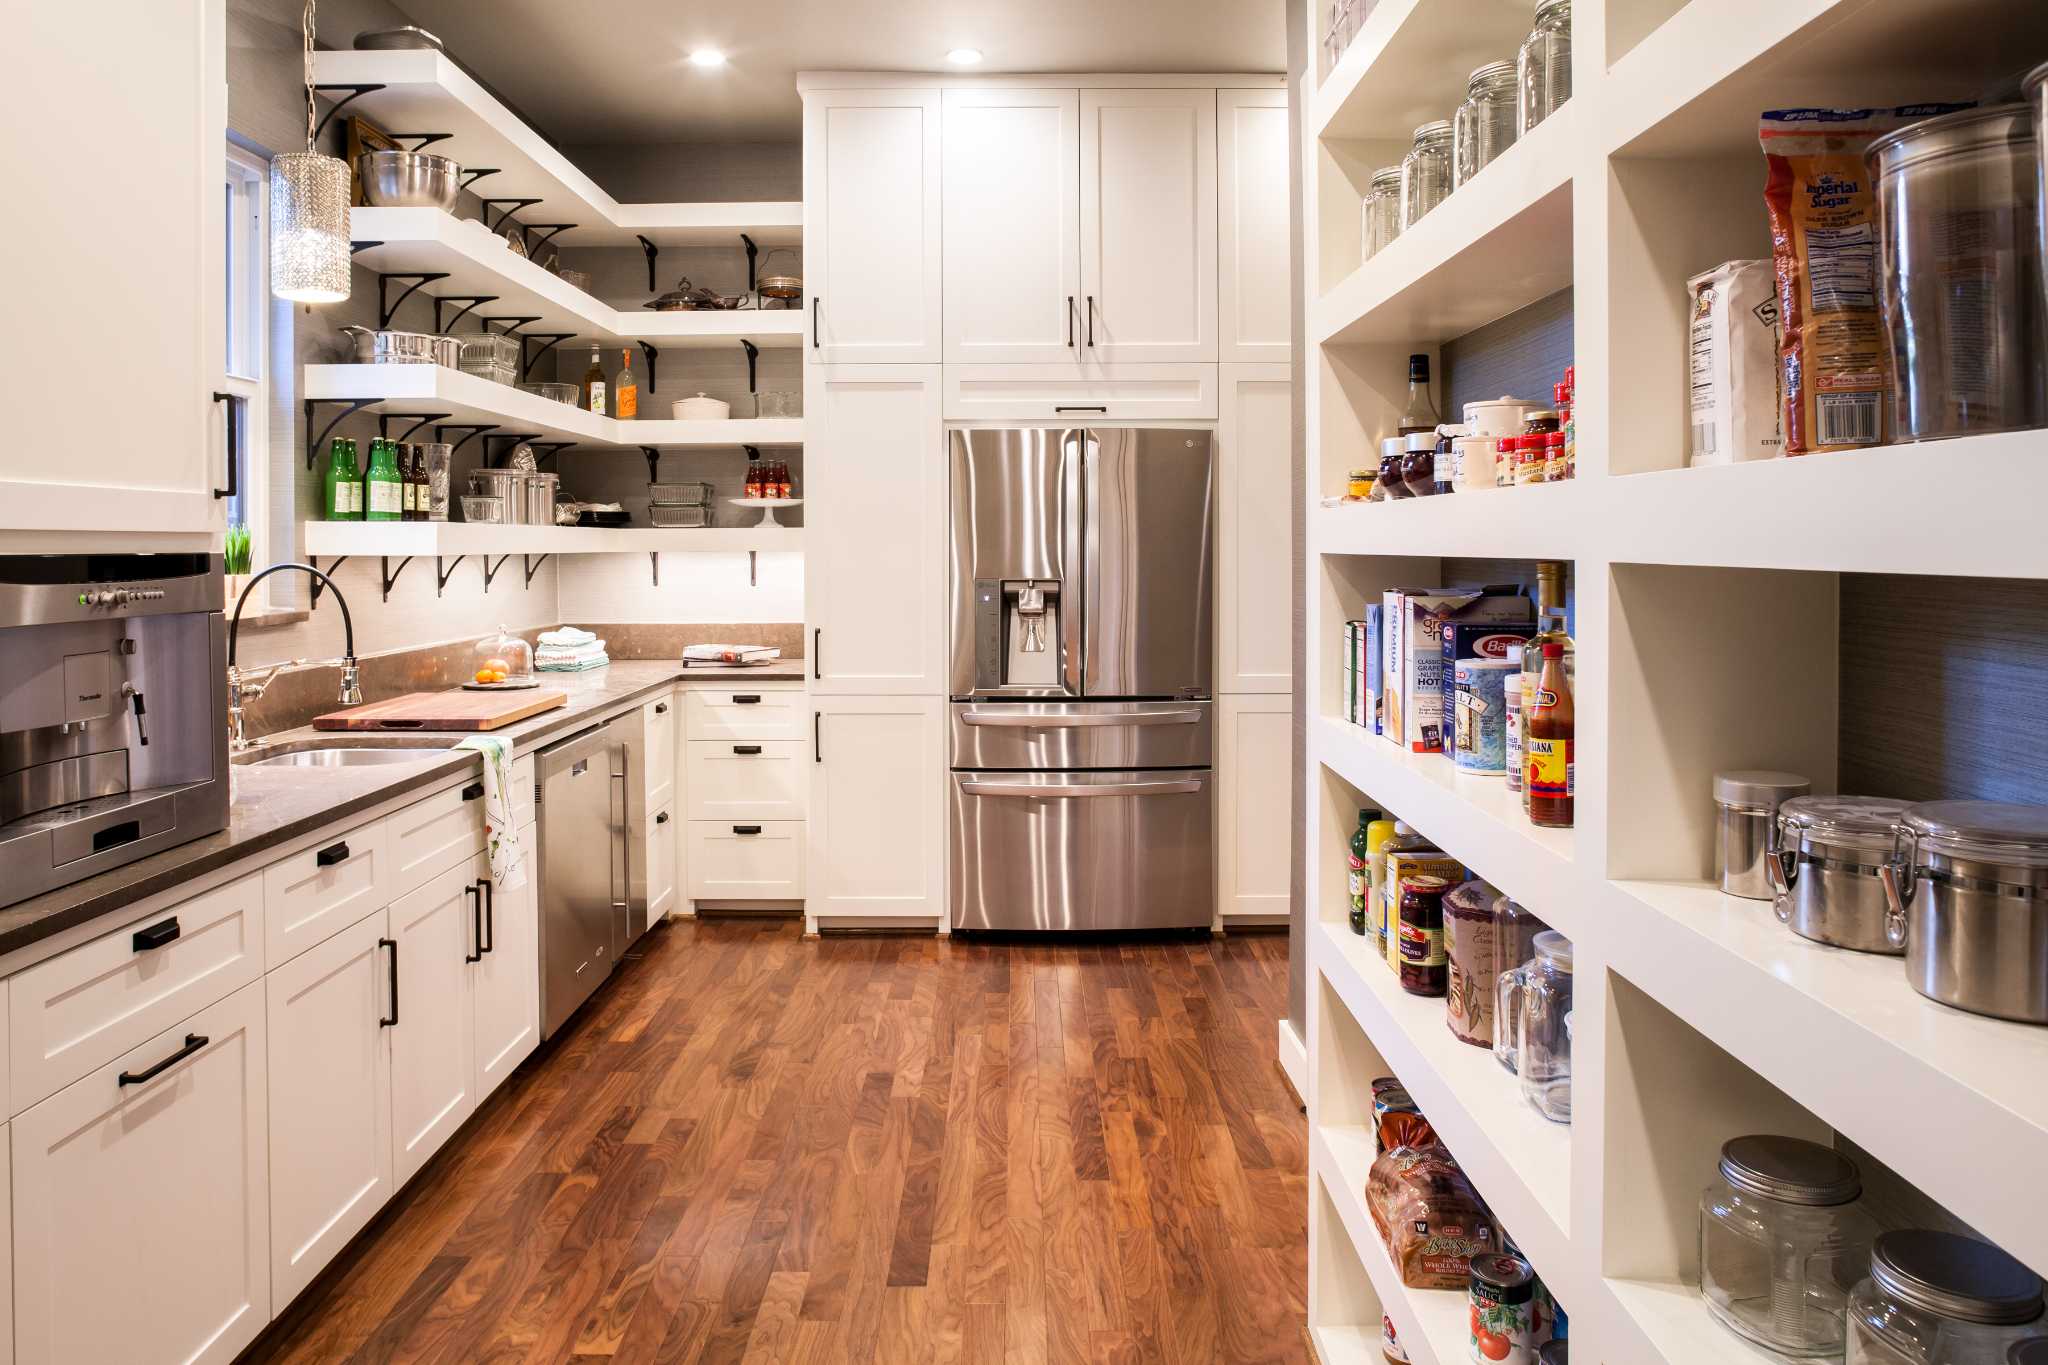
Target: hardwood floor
x=753 y=1148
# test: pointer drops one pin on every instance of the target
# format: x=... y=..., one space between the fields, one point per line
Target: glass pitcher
x=1537 y=996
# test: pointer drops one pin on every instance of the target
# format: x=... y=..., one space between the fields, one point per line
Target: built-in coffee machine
x=113 y=707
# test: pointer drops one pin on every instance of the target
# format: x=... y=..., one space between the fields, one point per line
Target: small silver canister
x=540 y=499
x=1824 y=863
x=1748 y=803
x=1967 y=897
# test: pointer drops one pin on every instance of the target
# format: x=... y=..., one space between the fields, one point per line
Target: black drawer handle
x=746 y=699
x=489 y=942
x=1081 y=407
x=817 y=650
x=746 y=750
x=234 y=445
x=661 y=819
x=332 y=854
x=193 y=1042
x=473 y=792
x=476 y=920
x=392 y=1018
x=156 y=935
x=661 y=708
x=817 y=322
x=746 y=829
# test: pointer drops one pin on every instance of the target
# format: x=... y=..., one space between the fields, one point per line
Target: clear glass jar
x=1937 y=1298
x=1543 y=67
x=1782 y=1239
x=1486 y=124
x=1538 y=996
x=1382 y=212
x=503 y=653
x=1514 y=940
x=1426 y=171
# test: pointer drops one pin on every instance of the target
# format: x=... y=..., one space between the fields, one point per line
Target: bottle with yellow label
x=1551 y=722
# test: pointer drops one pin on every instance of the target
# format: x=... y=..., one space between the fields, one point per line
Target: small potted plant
x=236 y=562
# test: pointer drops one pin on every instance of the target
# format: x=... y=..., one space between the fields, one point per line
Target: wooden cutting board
x=455 y=710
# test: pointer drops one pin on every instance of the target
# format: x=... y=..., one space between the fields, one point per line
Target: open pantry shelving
x=1708 y=626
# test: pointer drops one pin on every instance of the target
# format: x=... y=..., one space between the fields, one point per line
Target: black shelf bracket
x=547 y=450
x=511 y=325
x=491 y=570
x=441 y=577
x=548 y=232
x=472 y=174
x=472 y=430
x=510 y=439
x=650 y=251
x=654 y=566
x=548 y=341
x=353 y=92
x=349 y=407
x=506 y=216
x=389 y=574
x=313 y=602
x=753 y=364
x=532 y=567
x=418 y=420
x=421 y=141
x=753 y=260
x=653 y=354
x=653 y=462
x=387 y=307
x=354 y=247
x=445 y=325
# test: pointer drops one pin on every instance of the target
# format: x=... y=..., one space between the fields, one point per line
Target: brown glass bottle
x=1425 y=969
x=1551 y=723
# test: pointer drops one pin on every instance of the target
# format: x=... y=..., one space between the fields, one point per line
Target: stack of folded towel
x=568 y=650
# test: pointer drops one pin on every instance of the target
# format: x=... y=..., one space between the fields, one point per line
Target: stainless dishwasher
x=589 y=795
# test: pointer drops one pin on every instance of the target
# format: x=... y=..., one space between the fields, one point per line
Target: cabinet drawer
x=746 y=712
x=522 y=792
x=727 y=864
x=434 y=835
x=1080 y=393
x=746 y=779
x=659 y=718
x=81 y=1009
x=323 y=889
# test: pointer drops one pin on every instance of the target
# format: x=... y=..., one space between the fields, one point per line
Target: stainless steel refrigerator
x=1082 y=639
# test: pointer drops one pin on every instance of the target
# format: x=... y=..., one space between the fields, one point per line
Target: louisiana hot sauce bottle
x=1548 y=754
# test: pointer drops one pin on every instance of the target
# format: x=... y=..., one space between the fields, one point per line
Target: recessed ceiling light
x=707 y=56
x=964 y=56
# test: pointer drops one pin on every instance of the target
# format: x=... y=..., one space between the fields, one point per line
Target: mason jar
x=1939 y=1298
x=1485 y=125
x=1543 y=67
x=1426 y=171
x=1382 y=212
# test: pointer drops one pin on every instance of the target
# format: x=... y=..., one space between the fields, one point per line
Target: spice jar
x=1382 y=211
x=1943 y=1298
x=1418 y=464
x=1388 y=485
x=1358 y=484
x=1502 y=1297
x=1748 y=803
x=1538 y=996
x=1424 y=969
x=1782 y=1239
x=1426 y=171
x=1553 y=458
x=1447 y=459
x=1474 y=961
x=1571 y=426
x=1823 y=863
x=1484 y=126
x=1512 y=738
x=1543 y=66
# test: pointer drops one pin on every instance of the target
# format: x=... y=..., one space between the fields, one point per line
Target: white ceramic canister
x=1501 y=416
x=1474 y=461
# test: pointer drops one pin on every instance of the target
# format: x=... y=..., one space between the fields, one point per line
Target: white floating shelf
x=466 y=398
x=479 y=263
x=1408 y=64
x=1539 y=521
x=426 y=92
x=446 y=538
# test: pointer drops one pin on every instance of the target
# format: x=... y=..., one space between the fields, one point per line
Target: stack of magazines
x=729 y=656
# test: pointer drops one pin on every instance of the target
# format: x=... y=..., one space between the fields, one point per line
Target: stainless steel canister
x=1825 y=856
x=540 y=499
x=508 y=485
x=1748 y=803
x=1959 y=242
x=1967 y=897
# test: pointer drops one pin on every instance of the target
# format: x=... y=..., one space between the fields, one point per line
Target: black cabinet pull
x=817 y=736
x=817 y=649
x=1070 y=321
x=661 y=819
x=661 y=708
x=156 y=935
x=489 y=942
x=234 y=444
x=392 y=1018
x=476 y=920
x=746 y=750
x=332 y=854
x=817 y=324
x=1091 y=320
x=746 y=699
x=473 y=792
x=1081 y=407
x=193 y=1042
x=746 y=829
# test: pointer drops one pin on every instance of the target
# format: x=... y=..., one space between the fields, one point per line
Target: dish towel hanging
x=501 y=832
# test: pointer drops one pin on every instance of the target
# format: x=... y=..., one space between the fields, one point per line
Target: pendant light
x=309 y=194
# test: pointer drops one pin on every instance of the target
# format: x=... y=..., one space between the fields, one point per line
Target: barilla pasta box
x=1414 y=676
x=1467 y=639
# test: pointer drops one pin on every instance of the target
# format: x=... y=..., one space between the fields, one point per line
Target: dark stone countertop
x=274 y=805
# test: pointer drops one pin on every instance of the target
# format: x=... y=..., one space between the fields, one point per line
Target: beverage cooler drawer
x=1118 y=850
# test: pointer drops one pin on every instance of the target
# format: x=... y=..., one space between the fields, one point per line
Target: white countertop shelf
x=466 y=398
x=479 y=263
x=447 y=538
x=426 y=92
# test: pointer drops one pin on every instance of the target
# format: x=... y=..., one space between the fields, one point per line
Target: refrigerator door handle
x=1080 y=720
x=1179 y=787
x=1073 y=542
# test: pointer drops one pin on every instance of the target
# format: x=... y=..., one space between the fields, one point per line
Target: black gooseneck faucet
x=239 y=691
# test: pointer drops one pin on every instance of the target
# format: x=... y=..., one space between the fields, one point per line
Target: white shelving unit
x=1707 y=637
x=448 y=538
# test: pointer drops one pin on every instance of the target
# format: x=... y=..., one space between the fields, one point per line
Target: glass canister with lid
x=1543 y=67
x=1966 y=892
x=1426 y=171
x=1939 y=1298
x=500 y=658
x=1382 y=211
x=1747 y=803
x=1782 y=1239
x=1538 y=996
x=1823 y=863
x=1485 y=125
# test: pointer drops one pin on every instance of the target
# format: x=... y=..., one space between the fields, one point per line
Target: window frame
x=244 y=363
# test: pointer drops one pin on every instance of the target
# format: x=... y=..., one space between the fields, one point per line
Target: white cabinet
x=152 y=82
x=1012 y=226
x=433 y=1043
x=330 y=1100
x=661 y=865
x=1253 y=766
x=659 y=719
x=746 y=860
x=1148 y=225
x=1089 y=393
x=875 y=822
x=1255 y=288
x=871 y=225
x=1254 y=530
x=875 y=530
x=6 y=1247
x=141 y=1226
x=327 y=887
x=750 y=712
x=505 y=978
x=429 y=837
x=764 y=780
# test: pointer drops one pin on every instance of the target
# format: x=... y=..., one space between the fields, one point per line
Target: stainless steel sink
x=345 y=757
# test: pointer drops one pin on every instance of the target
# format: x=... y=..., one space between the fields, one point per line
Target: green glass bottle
x=383 y=486
x=336 y=495
x=1358 y=881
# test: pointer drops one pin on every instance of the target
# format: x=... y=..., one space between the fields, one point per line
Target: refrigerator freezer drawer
x=1092 y=851
x=1099 y=734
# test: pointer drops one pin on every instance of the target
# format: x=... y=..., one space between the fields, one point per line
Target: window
x=245 y=363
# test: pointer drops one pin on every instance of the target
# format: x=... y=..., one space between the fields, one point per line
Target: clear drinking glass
x=1382 y=212
x=1486 y=124
x=1538 y=996
x=1543 y=68
x=1426 y=171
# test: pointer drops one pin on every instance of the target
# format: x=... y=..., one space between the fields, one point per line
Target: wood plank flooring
x=752 y=1149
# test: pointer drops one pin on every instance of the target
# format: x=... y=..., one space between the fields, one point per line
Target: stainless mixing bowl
x=410 y=180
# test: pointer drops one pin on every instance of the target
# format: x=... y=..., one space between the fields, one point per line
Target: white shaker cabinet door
x=1253 y=766
x=1255 y=289
x=330 y=1100
x=1012 y=226
x=141 y=1221
x=871 y=225
x=433 y=1044
x=1148 y=225
x=876 y=828
x=505 y=980
x=143 y=223
x=875 y=530
x=1254 y=530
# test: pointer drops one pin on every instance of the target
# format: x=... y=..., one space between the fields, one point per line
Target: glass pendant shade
x=309 y=255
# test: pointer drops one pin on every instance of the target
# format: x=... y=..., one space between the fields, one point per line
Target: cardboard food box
x=1413 y=669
